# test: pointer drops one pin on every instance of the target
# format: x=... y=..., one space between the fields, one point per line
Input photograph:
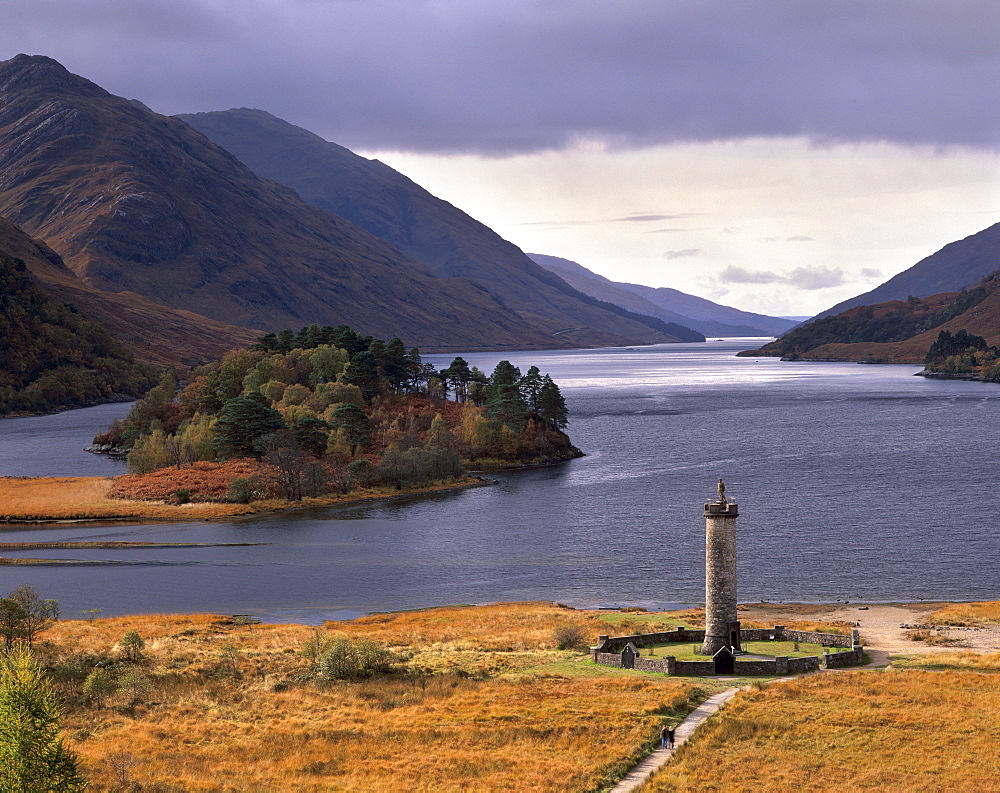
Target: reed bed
x=898 y=730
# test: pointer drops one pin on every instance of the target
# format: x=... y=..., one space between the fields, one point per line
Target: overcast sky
x=776 y=155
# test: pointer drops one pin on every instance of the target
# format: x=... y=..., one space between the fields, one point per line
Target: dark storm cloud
x=527 y=75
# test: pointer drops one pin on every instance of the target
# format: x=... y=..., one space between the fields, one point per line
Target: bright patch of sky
x=773 y=226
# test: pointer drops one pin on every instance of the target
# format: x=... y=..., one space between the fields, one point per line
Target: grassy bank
x=481 y=698
x=896 y=730
x=44 y=499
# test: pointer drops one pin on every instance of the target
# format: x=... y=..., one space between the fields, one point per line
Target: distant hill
x=956 y=266
x=51 y=356
x=142 y=203
x=394 y=208
x=668 y=304
x=897 y=331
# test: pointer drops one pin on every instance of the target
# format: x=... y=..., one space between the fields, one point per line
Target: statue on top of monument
x=722 y=492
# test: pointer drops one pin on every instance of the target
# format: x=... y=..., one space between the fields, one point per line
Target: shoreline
x=788 y=611
x=162 y=512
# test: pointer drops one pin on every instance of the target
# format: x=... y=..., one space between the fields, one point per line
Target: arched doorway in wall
x=725 y=663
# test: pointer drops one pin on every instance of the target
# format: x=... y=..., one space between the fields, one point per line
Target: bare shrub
x=569 y=637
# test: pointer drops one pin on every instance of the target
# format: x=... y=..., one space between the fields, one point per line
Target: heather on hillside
x=51 y=357
x=326 y=410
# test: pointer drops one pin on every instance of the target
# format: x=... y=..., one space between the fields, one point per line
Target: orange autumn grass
x=869 y=730
x=82 y=498
x=485 y=702
x=24 y=499
x=967 y=614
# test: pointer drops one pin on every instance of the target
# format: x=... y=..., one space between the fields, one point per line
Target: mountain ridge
x=392 y=207
x=182 y=338
x=896 y=331
x=957 y=265
x=136 y=202
x=703 y=315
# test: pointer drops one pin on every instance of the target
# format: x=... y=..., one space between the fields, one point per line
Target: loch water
x=855 y=482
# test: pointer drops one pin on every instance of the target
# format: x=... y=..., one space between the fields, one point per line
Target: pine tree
x=32 y=757
x=551 y=405
x=311 y=434
x=531 y=388
x=395 y=365
x=459 y=375
x=242 y=422
x=358 y=426
x=504 y=403
x=362 y=371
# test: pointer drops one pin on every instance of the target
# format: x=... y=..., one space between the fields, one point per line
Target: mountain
x=668 y=304
x=142 y=203
x=181 y=338
x=956 y=266
x=445 y=239
x=51 y=356
x=897 y=331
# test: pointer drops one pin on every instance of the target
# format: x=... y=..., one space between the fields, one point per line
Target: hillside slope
x=154 y=333
x=897 y=331
x=668 y=304
x=51 y=356
x=956 y=266
x=139 y=202
x=394 y=208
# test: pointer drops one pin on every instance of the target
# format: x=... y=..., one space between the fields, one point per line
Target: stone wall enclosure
x=621 y=651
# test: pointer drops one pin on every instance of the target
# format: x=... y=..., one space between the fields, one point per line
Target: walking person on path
x=670 y=737
x=663 y=736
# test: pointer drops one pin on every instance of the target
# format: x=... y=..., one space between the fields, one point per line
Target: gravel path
x=654 y=761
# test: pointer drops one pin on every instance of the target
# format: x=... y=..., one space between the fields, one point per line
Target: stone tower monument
x=722 y=628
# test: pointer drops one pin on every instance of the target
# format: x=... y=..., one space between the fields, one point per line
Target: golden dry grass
x=893 y=731
x=472 y=711
x=27 y=499
x=959 y=659
x=74 y=498
x=967 y=614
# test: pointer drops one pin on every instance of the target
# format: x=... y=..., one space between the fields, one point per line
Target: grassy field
x=482 y=700
x=82 y=498
x=30 y=499
x=900 y=730
x=959 y=660
x=686 y=651
x=967 y=614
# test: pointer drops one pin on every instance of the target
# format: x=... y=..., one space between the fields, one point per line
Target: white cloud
x=682 y=254
x=866 y=207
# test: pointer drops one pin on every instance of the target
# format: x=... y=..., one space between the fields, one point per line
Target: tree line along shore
x=319 y=417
